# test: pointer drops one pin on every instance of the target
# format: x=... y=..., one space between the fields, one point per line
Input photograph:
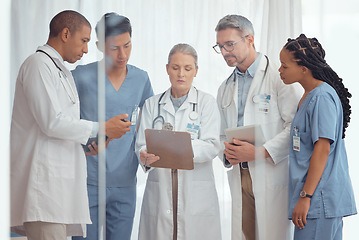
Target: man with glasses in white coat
x=255 y=94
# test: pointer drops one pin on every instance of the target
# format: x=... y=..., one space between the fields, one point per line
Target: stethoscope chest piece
x=167 y=126
x=193 y=115
x=256 y=98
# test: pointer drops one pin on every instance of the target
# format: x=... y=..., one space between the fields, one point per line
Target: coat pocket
x=204 y=199
x=61 y=158
x=151 y=199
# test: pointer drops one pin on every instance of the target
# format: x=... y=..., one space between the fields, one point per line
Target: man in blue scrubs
x=127 y=88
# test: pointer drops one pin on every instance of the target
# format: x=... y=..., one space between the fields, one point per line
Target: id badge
x=264 y=107
x=296 y=140
x=193 y=130
x=134 y=116
x=264 y=100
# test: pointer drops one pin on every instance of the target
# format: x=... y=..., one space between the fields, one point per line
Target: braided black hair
x=309 y=53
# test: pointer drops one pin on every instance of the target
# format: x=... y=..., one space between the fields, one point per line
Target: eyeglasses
x=227 y=46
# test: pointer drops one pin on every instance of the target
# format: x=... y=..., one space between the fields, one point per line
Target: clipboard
x=174 y=148
x=251 y=133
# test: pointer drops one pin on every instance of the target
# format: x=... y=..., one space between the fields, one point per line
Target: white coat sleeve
x=41 y=94
x=145 y=123
x=288 y=98
x=207 y=146
x=223 y=125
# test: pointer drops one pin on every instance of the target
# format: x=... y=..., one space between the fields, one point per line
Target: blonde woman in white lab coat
x=197 y=203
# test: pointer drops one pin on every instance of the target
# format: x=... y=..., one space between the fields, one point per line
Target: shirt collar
x=57 y=53
x=177 y=102
x=251 y=71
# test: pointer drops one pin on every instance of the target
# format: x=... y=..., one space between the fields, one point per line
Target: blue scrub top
x=121 y=160
x=321 y=115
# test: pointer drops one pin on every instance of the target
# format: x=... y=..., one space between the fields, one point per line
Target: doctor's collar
x=57 y=53
x=251 y=71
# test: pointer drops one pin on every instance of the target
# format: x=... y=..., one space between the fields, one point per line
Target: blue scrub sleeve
x=147 y=92
x=324 y=119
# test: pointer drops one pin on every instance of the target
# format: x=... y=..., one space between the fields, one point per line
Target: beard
x=231 y=60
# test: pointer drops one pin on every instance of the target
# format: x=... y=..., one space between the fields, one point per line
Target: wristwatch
x=303 y=194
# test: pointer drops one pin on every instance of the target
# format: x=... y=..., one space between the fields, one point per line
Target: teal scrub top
x=321 y=115
x=121 y=160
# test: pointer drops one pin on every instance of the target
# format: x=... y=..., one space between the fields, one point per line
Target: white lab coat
x=198 y=209
x=48 y=164
x=269 y=177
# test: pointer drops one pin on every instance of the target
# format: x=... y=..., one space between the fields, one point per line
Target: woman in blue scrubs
x=320 y=190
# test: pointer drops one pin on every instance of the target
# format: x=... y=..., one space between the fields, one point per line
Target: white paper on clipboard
x=251 y=133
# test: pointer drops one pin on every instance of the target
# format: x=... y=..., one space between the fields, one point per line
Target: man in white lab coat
x=254 y=94
x=48 y=165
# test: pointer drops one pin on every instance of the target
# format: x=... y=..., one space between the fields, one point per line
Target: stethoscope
x=73 y=95
x=230 y=95
x=193 y=115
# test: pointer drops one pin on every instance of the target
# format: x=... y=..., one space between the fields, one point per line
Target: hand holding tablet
x=251 y=133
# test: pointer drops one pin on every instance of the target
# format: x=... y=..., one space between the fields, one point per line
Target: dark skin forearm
x=316 y=168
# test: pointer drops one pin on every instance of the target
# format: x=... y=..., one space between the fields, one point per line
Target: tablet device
x=251 y=133
x=174 y=148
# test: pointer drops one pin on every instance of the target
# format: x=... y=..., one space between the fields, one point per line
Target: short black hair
x=115 y=24
x=70 y=19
